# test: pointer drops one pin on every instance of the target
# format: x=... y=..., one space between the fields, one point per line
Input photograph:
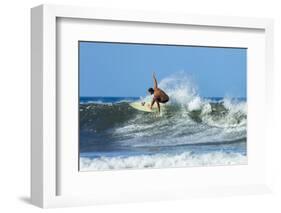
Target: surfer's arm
x=155 y=81
x=152 y=103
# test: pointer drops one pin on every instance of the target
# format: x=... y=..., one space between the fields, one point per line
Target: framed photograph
x=175 y=124
x=129 y=106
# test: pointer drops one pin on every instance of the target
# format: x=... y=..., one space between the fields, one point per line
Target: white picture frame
x=45 y=156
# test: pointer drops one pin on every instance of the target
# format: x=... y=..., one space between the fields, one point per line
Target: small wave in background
x=190 y=130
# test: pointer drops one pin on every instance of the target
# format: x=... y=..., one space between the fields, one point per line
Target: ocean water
x=190 y=131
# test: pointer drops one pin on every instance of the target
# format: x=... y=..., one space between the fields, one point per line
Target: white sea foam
x=234 y=118
x=195 y=104
x=186 y=159
x=182 y=90
x=179 y=87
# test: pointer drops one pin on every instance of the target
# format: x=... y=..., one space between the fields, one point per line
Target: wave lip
x=186 y=159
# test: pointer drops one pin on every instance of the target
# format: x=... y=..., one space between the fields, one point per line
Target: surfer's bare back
x=159 y=96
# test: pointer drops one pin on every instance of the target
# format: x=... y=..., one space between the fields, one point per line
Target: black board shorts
x=163 y=102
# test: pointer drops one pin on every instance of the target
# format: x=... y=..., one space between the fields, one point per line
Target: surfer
x=159 y=96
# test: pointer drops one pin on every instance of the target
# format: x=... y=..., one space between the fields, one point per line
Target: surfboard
x=144 y=106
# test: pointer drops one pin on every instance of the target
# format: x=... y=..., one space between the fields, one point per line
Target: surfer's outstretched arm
x=155 y=81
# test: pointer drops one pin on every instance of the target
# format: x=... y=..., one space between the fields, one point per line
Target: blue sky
x=125 y=70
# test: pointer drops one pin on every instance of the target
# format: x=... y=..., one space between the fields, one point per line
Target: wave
x=186 y=119
x=186 y=159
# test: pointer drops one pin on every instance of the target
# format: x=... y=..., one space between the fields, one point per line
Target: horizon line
x=141 y=96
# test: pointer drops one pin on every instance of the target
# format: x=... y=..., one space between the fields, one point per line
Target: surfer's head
x=151 y=91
